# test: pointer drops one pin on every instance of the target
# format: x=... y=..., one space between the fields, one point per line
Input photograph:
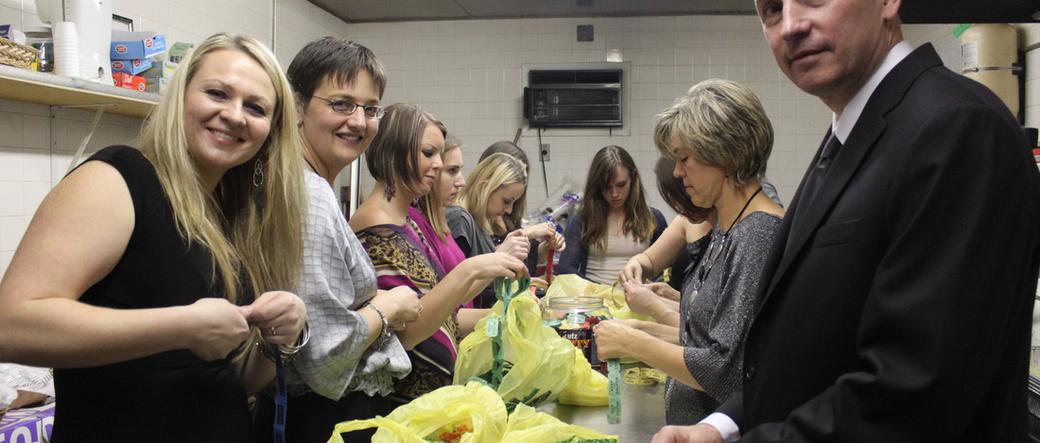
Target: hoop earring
x=389 y=191
x=258 y=173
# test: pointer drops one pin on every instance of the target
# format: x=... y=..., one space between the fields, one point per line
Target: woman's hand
x=614 y=338
x=494 y=265
x=400 y=304
x=516 y=244
x=215 y=328
x=546 y=232
x=664 y=290
x=280 y=315
x=632 y=271
x=642 y=300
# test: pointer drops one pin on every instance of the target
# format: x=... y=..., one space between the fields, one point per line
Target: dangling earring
x=258 y=173
x=389 y=191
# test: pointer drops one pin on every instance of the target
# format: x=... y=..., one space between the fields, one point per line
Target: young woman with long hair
x=142 y=272
x=613 y=222
x=494 y=187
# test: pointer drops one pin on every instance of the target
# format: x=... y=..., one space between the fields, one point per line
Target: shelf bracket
x=98 y=113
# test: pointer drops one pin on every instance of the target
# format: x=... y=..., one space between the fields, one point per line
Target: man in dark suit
x=899 y=291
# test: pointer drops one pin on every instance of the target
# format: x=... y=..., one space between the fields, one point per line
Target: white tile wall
x=469 y=75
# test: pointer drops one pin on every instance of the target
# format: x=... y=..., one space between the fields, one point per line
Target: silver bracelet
x=305 y=336
x=384 y=333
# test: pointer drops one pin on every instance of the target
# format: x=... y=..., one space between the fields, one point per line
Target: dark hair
x=514 y=219
x=334 y=58
x=506 y=147
x=639 y=221
x=400 y=138
x=674 y=192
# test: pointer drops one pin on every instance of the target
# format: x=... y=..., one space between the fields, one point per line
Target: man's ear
x=890 y=9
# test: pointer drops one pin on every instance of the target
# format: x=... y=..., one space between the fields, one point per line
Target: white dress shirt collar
x=842 y=124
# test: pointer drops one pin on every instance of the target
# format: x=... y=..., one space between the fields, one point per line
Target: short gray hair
x=723 y=124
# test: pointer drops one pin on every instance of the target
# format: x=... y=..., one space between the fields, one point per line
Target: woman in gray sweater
x=720 y=138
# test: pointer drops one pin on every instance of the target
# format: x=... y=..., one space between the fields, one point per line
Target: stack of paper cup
x=66 y=50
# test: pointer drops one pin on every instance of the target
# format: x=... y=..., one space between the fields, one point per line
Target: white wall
x=469 y=75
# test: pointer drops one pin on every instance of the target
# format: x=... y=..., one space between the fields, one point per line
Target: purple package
x=29 y=425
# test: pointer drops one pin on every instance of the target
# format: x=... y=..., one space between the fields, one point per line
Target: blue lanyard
x=281 y=400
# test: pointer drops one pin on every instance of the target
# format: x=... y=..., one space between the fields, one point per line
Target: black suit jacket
x=898 y=303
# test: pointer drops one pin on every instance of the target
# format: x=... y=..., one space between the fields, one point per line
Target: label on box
x=30 y=425
x=133 y=67
x=124 y=80
x=136 y=45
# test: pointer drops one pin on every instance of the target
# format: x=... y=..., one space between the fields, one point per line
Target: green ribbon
x=959 y=29
x=614 y=391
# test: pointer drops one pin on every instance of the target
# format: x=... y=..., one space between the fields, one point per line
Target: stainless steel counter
x=642 y=414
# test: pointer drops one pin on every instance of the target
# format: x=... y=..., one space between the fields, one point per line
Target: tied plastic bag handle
x=503 y=291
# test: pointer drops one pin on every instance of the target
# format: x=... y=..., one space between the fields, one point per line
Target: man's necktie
x=812 y=186
x=815 y=179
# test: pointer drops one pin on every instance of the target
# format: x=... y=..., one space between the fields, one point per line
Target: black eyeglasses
x=348 y=108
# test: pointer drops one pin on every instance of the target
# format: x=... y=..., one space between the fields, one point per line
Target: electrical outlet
x=543 y=153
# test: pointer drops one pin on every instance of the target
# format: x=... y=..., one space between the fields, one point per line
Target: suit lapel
x=860 y=143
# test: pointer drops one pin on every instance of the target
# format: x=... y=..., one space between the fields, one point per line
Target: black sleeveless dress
x=171 y=396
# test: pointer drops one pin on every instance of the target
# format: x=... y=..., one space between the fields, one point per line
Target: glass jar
x=574 y=318
x=40 y=38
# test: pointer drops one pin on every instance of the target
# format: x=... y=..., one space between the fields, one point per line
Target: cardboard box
x=30 y=425
x=132 y=67
x=124 y=80
x=155 y=86
x=132 y=45
x=159 y=69
x=178 y=51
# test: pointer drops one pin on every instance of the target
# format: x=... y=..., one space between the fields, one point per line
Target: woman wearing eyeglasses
x=347 y=370
x=720 y=138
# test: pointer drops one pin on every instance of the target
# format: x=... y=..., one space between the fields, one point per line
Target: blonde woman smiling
x=142 y=270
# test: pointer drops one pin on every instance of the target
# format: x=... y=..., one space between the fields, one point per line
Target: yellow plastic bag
x=473 y=413
x=529 y=426
x=538 y=361
x=586 y=387
x=571 y=285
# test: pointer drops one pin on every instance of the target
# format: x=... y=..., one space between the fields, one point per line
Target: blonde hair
x=431 y=205
x=495 y=171
x=257 y=230
x=723 y=124
x=514 y=219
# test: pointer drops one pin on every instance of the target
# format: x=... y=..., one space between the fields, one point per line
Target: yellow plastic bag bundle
x=571 y=285
x=586 y=387
x=473 y=413
x=537 y=361
x=529 y=426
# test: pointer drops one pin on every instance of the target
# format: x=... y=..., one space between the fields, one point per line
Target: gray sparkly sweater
x=719 y=300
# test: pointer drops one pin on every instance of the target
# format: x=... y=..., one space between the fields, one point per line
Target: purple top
x=444 y=249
